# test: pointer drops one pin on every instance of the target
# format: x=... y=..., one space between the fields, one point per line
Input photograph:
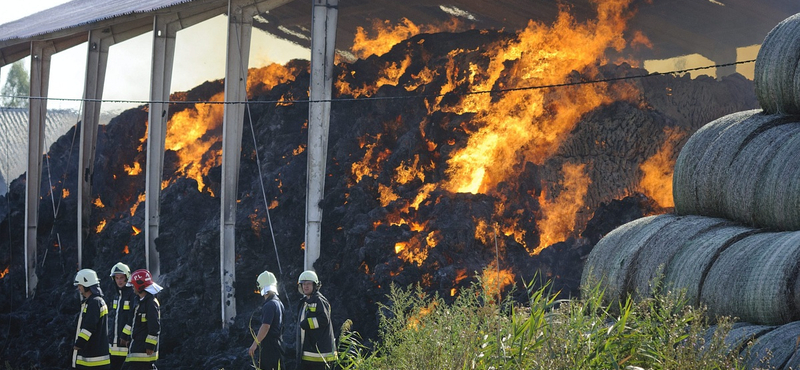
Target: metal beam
x=41 y=53
x=165 y=30
x=323 y=42
x=240 y=22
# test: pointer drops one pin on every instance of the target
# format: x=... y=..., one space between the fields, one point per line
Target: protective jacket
x=120 y=319
x=315 y=338
x=146 y=330
x=91 y=335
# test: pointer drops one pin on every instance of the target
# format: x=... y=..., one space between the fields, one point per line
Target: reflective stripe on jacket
x=91 y=334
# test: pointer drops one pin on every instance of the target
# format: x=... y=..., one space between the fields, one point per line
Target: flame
x=415 y=320
x=65 y=193
x=257 y=223
x=387 y=195
x=133 y=171
x=136 y=230
x=496 y=280
x=100 y=226
x=299 y=149
x=98 y=203
x=273 y=204
x=264 y=79
x=657 y=170
x=139 y=201
x=4 y=272
x=405 y=173
x=558 y=215
x=126 y=250
x=414 y=250
x=371 y=163
x=389 y=35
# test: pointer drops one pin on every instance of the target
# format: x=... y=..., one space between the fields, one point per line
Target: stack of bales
x=734 y=242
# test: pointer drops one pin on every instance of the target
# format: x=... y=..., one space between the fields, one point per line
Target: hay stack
x=777 y=199
x=685 y=174
x=754 y=279
x=777 y=78
x=691 y=262
x=740 y=334
x=613 y=256
x=654 y=258
x=773 y=350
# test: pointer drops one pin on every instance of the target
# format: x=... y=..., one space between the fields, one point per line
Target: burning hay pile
x=739 y=168
x=432 y=180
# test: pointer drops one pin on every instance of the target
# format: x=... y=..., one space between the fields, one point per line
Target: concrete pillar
x=323 y=42
x=240 y=22
x=41 y=53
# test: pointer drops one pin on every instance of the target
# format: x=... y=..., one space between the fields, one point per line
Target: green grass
x=418 y=331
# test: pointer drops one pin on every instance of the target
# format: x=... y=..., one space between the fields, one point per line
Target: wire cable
x=396 y=97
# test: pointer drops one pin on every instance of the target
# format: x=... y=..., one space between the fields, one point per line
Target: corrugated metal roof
x=78 y=13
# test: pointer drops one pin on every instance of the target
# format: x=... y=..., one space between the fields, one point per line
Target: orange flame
x=657 y=171
x=415 y=250
x=126 y=250
x=98 y=203
x=389 y=35
x=558 y=215
x=4 y=272
x=100 y=226
x=64 y=193
x=139 y=201
x=133 y=171
x=496 y=280
x=136 y=230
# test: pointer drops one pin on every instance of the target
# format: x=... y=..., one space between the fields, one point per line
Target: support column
x=96 y=62
x=41 y=53
x=165 y=30
x=240 y=22
x=323 y=42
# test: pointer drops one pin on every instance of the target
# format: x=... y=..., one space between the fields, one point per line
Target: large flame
x=558 y=219
x=657 y=170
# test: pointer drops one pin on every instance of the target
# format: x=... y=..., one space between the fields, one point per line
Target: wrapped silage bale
x=754 y=279
x=656 y=255
x=685 y=175
x=731 y=167
x=777 y=198
x=776 y=76
x=774 y=349
x=693 y=259
x=740 y=334
x=747 y=174
x=611 y=259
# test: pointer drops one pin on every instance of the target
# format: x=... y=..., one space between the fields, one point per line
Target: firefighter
x=315 y=341
x=122 y=306
x=143 y=348
x=90 y=350
x=267 y=347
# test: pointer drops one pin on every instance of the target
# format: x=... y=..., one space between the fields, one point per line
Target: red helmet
x=141 y=279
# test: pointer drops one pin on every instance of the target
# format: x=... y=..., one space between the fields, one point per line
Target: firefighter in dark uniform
x=121 y=316
x=143 y=349
x=267 y=347
x=90 y=350
x=316 y=348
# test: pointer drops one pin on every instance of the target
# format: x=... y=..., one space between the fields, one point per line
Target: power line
x=397 y=97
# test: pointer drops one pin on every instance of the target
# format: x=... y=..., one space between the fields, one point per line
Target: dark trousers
x=105 y=367
x=117 y=362
x=133 y=365
x=307 y=365
x=270 y=356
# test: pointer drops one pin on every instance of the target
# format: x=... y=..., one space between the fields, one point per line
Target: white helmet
x=121 y=268
x=308 y=275
x=267 y=283
x=87 y=278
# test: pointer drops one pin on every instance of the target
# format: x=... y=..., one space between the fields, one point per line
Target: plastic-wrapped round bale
x=754 y=279
x=777 y=76
x=777 y=198
x=654 y=257
x=729 y=163
x=774 y=349
x=612 y=258
x=740 y=334
x=691 y=262
x=685 y=175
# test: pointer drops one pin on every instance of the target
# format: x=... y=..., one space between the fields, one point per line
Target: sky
x=127 y=78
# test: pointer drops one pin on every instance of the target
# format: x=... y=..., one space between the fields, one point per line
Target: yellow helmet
x=86 y=277
x=267 y=283
x=121 y=268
